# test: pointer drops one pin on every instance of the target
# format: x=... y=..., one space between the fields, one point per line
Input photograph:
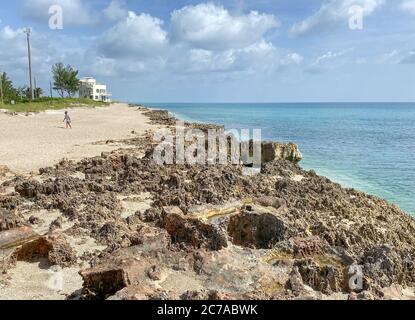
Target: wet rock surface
x=211 y=231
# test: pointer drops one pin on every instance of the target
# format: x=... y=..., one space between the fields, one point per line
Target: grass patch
x=43 y=104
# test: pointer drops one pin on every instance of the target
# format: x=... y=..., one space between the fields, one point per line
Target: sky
x=220 y=51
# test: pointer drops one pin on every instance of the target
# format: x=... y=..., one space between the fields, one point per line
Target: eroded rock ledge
x=211 y=232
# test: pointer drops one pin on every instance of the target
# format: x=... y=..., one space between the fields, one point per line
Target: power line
x=28 y=31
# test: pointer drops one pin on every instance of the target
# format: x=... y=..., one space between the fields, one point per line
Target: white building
x=90 y=89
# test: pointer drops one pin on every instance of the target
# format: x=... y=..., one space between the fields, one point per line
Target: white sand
x=28 y=143
x=38 y=281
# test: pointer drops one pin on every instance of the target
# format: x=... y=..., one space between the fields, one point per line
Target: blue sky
x=221 y=51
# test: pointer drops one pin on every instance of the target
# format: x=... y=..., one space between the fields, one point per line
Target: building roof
x=91 y=80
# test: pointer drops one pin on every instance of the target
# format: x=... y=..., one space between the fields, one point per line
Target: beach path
x=28 y=143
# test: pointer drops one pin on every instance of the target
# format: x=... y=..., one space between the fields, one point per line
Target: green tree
x=25 y=94
x=65 y=79
x=9 y=92
x=72 y=81
x=38 y=93
x=59 y=76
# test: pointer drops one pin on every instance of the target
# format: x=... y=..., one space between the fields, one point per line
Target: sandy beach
x=28 y=143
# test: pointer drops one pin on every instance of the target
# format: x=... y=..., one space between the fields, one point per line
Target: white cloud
x=12 y=45
x=75 y=12
x=139 y=36
x=116 y=10
x=13 y=54
x=201 y=60
x=408 y=6
x=137 y=44
x=260 y=57
x=292 y=58
x=7 y=33
x=329 y=60
x=392 y=57
x=333 y=12
x=211 y=27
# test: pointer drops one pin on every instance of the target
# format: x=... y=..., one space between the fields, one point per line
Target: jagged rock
x=155 y=238
x=54 y=247
x=267 y=201
x=9 y=220
x=384 y=265
x=104 y=281
x=161 y=117
x=28 y=189
x=150 y=215
x=256 y=230
x=192 y=232
x=56 y=224
x=272 y=151
x=326 y=278
x=295 y=282
x=61 y=253
x=279 y=151
x=308 y=247
x=308 y=220
x=154 y=273
x=34 y=220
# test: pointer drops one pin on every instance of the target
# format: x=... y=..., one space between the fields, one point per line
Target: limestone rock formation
x=189 y=231
x=256 y=230
x=279 y=151
x=211 y=231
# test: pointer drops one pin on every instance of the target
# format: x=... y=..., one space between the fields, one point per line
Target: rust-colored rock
x=53 y=247
x=104 y=281
x=17 y=237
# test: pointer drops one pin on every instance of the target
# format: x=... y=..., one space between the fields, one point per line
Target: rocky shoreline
x=205 y=232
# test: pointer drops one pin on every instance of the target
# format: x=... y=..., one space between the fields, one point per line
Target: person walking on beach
x=67 y=120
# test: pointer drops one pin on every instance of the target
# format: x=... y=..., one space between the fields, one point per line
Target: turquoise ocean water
x=367 y=146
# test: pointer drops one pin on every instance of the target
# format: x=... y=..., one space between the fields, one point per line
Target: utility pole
x=34 y=78
x=1 y=88
x=51 y=91
x=28 y=31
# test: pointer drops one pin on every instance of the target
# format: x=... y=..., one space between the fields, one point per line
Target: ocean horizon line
x=263 y=103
